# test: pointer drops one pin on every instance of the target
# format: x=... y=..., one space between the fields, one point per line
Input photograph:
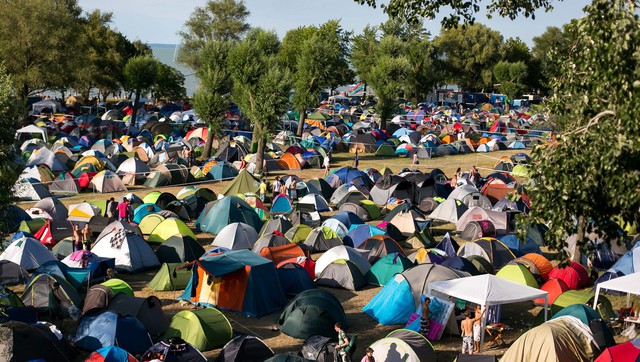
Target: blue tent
x=448 y=245
x=281 y=205
x=238 y=280
x=347 y=218
x=351 y=175
x=359 y=233
x=517 y=145
x=629 y=263
x=105 y=328
x=294 y=279
x=462 y=264
x=144 y=210
x=226 y=211
x=222 y=170
x=401 y=132
x=75 y=276
x=14 y=216
x=518 y=248
x=111 y=354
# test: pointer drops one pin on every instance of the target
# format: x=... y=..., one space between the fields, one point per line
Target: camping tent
x=147 y=310
x=312 y=312
x=131 y=252
x=99 y=329
x=629 y=284
x=106 y=181
x=225 y=211
x=238 y=280
x=179 y=249
x=27 y=252
x=205 y=328
x=403 y=345
x=236 y=236
x=169 y=277
x=244 y=348
x=18 y=341
x=174 y=349
x=488 y=290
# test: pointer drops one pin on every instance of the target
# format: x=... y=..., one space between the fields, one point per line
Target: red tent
x=583 y=275
x=627 y=351
x=45 y=236
x=554 y=287
x=568 y=275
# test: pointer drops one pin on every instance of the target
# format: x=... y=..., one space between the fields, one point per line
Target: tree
x=211 y=100
x=169 y=83
x=9 y=112
x=511 y=77
x=415 y=10
x=38 y=39
x=217 y=20
x=388 y=76
x=314 y=56
x=548 y=49
x=469 y=54
x=363 y=52
x=261 y=85
x=592 y=173
x=140 y=73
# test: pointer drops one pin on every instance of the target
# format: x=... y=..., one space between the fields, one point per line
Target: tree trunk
x=303 y=116
x=206 y=153
x=577 y=254
x=260 y=155
x=135 y=107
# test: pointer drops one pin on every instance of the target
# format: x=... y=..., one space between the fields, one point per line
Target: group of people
x=81 y=238
x=280 y=187
x=473 y=176
x=122 y=210
x=342 y=353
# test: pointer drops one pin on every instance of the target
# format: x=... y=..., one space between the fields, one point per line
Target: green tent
x=118 y=286
x=149 y=223
x=372 y=209
x=318 y=116
x=151 y=197
x=386 y=150
x=298 y=233
x=168 y=278
x=384 y=269
x=169 y=228
x=571 y=297
x=32 y=226
x=312 y=312
x=520 y=170
x=205 y=328
x=242 y=184
x=102 y=205
x=482 y=264
x=518 y=273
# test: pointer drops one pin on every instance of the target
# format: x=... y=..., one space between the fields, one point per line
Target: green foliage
x=593 y=172
x=511 y=77
x=211 y=100
x=261 y=84
x=363 y=52
x=9 y=113
x=548 y=50
x=169 y=83
x=470 y=54
x=217 y=20
x=140 y=74
x=389 y=75
x=37 y=41
x=416 y=10
x=317 y=58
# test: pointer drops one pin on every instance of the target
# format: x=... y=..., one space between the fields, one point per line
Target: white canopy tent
x=31 y=129
x=488 y=290
x=629 y=284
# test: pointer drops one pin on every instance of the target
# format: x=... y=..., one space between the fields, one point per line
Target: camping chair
x=495 y=332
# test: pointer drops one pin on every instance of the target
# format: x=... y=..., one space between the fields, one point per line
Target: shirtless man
x=477 y=328
x=467 y=333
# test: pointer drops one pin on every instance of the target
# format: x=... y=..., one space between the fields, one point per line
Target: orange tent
x=543 y=265
x=554 y=287
x=289 y=162
x=207 y=166
x=448 y=139
x=278 y=254
x=484 y=140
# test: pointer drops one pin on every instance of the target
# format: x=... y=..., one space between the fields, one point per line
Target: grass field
x=518 y=316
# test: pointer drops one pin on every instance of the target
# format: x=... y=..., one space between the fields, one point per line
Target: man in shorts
x=477 y=328
x=467 y=333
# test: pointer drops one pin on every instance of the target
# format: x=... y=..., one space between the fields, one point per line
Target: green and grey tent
x=205 y=328
x=169 y=277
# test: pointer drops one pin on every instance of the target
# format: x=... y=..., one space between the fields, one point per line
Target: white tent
x=488 y=290
x=27 y=252
x=31 y=129
x=131 y=252
x=629 y=284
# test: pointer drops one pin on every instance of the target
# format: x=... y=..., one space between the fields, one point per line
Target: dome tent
x=244 y=348
x=225 y=211
x=131 y=252
x=403 y=342
x=312 y=312
x=236 y=236
x=179 y=249
x=99 y=329
x=18 y=341
x=205 y=328
x=175 y=349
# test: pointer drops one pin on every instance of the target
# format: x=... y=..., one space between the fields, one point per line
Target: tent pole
x=546 y=310
x=595 y=298
x=628 y=298
x=483 y=325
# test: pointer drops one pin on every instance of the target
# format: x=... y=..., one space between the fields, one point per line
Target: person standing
x=343 y=342
x=467 y=333
x=123 y=210
x=77 y=240
x=424 y=318
x=112 y=209
x=185 y=154
x=415 y=161
x=293 y=193
x=356 y=160
x=262 y=189
x=477 y=328
x=275 y=187
x=129 y=210
x=368 y=356
x=86 y=237
x=326 y=164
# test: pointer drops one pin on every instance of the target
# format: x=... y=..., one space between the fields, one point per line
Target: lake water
x=166 y=54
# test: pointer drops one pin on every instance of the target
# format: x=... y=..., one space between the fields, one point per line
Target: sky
x=159 y=21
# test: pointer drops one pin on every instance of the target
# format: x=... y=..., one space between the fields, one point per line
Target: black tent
x=179 y=249
x=245 y=348
x=147 y=310
x=11 y=273
x=18 y=339
x=318 y=348
x=175 y=350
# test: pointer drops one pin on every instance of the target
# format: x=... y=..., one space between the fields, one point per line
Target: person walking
x=326 y=164
x=262 y=190
x=356 y=160
x=343 y=342
x=275 y=187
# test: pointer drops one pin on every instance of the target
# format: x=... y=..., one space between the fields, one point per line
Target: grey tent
x=36 y=294
x=98 y=297
x=147 y=310
x=279 y=224
x=29 y=189
x=450 y=211
x=179 y=249
x=312 y=312
x=322 y=239
x=64 y=184
x=11 y=273
x=269 y=241
x=245 y=348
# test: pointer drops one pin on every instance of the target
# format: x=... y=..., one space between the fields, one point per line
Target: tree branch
x=592 y=121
